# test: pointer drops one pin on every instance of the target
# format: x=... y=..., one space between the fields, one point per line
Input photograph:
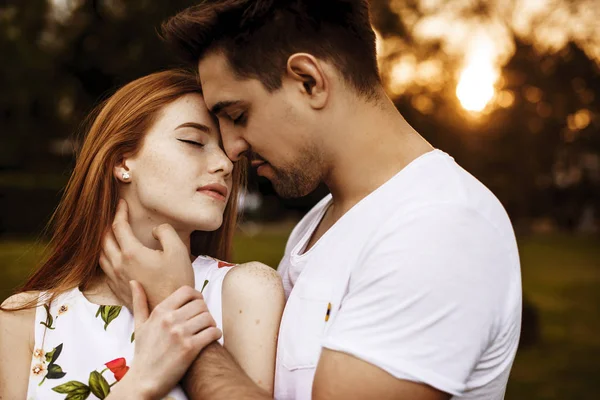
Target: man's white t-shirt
x=420 y=278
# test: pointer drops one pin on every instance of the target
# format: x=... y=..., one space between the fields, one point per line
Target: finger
x=190 y=310
x=178 y=298
x=122 y=230
x=109 y=253
x=106 y=266
x=110 y=246
x=199 y=323
x=168 y=238
x=206 y=337
x=140 y=304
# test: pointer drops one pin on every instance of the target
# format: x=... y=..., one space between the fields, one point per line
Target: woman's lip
x=215 y=190
x=216 y=187
x=213 y=194
x=257 y=163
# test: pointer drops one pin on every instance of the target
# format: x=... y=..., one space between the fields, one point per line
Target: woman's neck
x=143 y=222
x=142 y=225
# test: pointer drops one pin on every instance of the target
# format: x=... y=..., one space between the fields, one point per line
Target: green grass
x=17 y=259
x=266 y=247
x=561 y=278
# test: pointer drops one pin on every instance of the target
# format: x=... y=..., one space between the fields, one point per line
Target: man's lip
x=215 y=187
x=257 y=163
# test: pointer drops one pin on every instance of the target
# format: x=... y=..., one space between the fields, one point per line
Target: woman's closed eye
x=193 y=143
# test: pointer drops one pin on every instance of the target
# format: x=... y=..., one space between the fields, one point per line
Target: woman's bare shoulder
x=20 y=299
x=255 y=285
x=17 y=340
x=252 y=276
x=18 y=321
x=18 y=326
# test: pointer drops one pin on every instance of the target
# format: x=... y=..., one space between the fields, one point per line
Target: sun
x=475 y=87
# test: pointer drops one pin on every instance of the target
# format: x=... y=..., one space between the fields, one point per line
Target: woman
x=66 y=335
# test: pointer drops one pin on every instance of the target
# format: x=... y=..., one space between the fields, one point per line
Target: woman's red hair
x=89 y=202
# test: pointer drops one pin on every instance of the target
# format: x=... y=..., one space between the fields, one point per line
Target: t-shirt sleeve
x=422 y=303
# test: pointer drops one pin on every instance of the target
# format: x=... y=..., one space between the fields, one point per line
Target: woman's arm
x=16 y=346
x=253 y=301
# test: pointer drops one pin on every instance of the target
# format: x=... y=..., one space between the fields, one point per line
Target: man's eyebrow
x=194 y=125
x=217 y=108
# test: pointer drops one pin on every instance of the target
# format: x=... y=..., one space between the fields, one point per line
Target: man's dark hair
x=258 y=36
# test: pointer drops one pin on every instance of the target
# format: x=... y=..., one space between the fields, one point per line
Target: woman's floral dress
x=83 y=349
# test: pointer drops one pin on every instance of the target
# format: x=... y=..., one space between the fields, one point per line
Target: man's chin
x=288 y=189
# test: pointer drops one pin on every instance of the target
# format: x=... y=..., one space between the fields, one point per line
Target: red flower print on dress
x=118 y=367
x=221 y=264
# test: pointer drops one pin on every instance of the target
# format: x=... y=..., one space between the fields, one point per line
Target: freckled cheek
x=163 y=175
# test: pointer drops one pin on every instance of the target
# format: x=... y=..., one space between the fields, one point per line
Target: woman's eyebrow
x=194 y=125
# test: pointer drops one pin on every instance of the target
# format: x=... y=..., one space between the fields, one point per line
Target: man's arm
x=215 y=375
x=342 y=376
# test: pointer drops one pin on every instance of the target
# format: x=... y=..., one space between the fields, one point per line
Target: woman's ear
x=307 y=72
x=122 y=172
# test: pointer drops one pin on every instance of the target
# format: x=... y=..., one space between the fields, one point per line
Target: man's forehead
x=216 y=77
x=214 y=67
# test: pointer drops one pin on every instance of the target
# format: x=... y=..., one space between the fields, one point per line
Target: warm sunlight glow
x=402 y=74
x=476 y=84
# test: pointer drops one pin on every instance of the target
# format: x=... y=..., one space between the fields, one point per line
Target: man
x=404 y=283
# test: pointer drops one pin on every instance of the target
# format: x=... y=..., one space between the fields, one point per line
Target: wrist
x=132 y=388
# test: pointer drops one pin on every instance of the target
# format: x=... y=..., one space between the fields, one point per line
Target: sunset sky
x=482 y=42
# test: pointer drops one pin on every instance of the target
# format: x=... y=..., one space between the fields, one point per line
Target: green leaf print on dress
x=49 y=319
x=204 y=285
x=98 y=385
x=108 y=314
x=51 y=356
x=74 y=390
x=54 y=371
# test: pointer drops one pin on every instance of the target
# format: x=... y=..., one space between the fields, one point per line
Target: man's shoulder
x=439 y=190
x=437 y=178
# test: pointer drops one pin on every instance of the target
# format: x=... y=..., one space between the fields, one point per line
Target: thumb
x=168 y=238
x=140 y=304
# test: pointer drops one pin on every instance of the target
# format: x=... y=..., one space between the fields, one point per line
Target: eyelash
x=240 y=120
x=191 y=142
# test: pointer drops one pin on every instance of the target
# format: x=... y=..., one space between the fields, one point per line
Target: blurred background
x=509 y=88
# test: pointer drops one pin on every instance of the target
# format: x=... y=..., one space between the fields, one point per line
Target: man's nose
x=235 y=146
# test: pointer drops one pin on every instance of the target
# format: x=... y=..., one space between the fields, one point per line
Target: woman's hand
x=166 y=342
x=125 y=258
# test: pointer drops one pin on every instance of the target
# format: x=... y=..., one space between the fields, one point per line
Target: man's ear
x=307 y=72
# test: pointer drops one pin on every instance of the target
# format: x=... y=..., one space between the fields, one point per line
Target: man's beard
x=299 y=179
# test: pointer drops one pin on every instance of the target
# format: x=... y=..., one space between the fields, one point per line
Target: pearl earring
x=126 y=175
